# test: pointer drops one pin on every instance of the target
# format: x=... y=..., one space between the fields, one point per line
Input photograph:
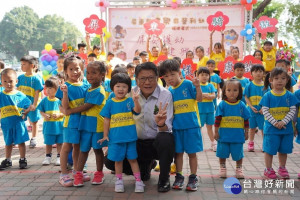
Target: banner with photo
x=185 y=29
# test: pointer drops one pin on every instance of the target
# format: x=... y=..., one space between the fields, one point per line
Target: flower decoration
x=248 y=3
x=264 y=25
x=94 y=25
x=226 y=67
x=154 y=27
x=286 y=52
x=249 y=61
x=248 y=32
x=173 y=3
x=103 y=4
x=217 y=21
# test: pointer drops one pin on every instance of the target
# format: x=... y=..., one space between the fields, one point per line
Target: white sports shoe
x=139 y=186
x=57 y=163
x=46 y=161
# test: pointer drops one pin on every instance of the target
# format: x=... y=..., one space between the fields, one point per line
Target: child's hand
x=260 y=111
x=216 y=136
x=196 y=81
x=205 y=95
x=105 y=138
x=135 y=95
x=295 y=133
x=254 y=109
x=55 y=116
x=47 y=116
x=280 y=125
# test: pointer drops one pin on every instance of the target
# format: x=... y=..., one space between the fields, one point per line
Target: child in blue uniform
x=14 y=106
x=120 y=130
x=186 y=123
x=279 y=108
x=297 y=131
x=31 y=85
x=91 y=123
x=214 y=79
x=286 y=65
x=72 y=95
x=206 y=106
x=239 y=71
x=253 y=93
x=231 y=127
x=53 y=120
x=130 y=70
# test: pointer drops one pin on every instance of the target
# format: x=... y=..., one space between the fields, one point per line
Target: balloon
x=45 y=73
x=53 y=63
x=55 y=58
x=65 y=46
x=44 y=51
x=48 y=68
x=48 y=47
x=52 y=52
x=48 y=58
x=45 y=63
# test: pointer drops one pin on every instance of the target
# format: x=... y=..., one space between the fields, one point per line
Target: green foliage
x=21 y=30
x=293 y=22
x=273 y=10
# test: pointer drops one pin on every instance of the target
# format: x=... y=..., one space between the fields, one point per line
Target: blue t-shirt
x=186 y=113
x=12 y=106
x=107 y=87
x=122 y=126
x=244 y=82
x=254 y=93
x=90 y=120
x=232 y=124
x=279 y=105
x=215 y=80
x=207 y=106
x=76 y=94
x=133 y=82
x=29 y=84
x=51 y=126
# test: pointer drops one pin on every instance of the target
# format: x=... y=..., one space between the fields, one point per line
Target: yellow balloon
x=174 y=1
x=48 y=47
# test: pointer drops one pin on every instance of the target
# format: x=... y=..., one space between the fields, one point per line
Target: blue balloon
x=45 y=63
x=53 y=63
x=249 y=1
x=48 y=68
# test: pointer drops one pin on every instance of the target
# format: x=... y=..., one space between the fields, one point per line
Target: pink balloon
x=52 y=52
x=174 y=5
x=44 y=51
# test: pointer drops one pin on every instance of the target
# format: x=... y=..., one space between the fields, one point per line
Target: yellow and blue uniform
x=1 y=88
x=76 y=94
x=106 y=86
x=217 y=57
x=254 y=93
x=206 y=107
x=202 y=62
x=52 y=128
x=13 y=126
x=297 y=94
x=133 y=82
x=215 y=80
x=278 y=140
x=244 y=82
x=122 y=131
x=28 y=85
x=91 y=123
x=231 y=130
x=186 y=122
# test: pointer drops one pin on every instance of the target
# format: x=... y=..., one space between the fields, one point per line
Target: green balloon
x=45 y=73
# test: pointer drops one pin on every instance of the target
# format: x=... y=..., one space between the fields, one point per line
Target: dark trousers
x=161 y=148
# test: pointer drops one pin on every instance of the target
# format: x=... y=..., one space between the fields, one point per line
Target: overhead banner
x=185 y=29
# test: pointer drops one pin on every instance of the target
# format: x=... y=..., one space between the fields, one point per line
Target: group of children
x=87 y=108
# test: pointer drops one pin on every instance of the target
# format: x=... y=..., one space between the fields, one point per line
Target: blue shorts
x=34 y=116
x=257 y=121
x=224 y=149
x=188 y=140
x=89 y=140
x=207 y=118
x=16 y=133
x=120 y=151
x=71 y=135
x=53 y=139
x=273 y=143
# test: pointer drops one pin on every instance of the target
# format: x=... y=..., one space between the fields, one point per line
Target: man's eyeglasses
x=150 y=79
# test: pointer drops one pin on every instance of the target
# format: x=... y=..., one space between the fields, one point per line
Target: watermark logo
x=232 y=186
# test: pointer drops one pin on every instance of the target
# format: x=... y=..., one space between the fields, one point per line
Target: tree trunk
x=260 y=8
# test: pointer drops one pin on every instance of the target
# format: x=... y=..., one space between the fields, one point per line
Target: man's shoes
x=163 y=186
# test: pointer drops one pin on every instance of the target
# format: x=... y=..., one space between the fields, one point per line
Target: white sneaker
x=139 y=186
x=32 y=143
x=119 y=186
x=57 y=163
x=214 y=146
x=46 y=161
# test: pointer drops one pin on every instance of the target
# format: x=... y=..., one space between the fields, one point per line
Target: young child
x=137 y=60
x=120 y=130
x=218 y=53
x=91 y=124
x=72 y=95
x=231 y=127
x=253 y=93
x=186 y=122
x=269 y=51
x=206 y=107
x=189 y=54
x=279 y=108
x=53 y=120
x=144 y=56
x=239 y=70
x=154 y=53
x=235 y=53
x=130 y=70
x=60 y=65
x=202 y=58
x=14 y=106
x=285 y=64
x=258 y=54
x=110 y=56
x=214 y=79
x=31 y=85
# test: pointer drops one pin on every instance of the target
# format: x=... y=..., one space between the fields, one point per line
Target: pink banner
x=185 y=29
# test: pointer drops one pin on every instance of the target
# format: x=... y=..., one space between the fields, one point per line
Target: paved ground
x=41 y=182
